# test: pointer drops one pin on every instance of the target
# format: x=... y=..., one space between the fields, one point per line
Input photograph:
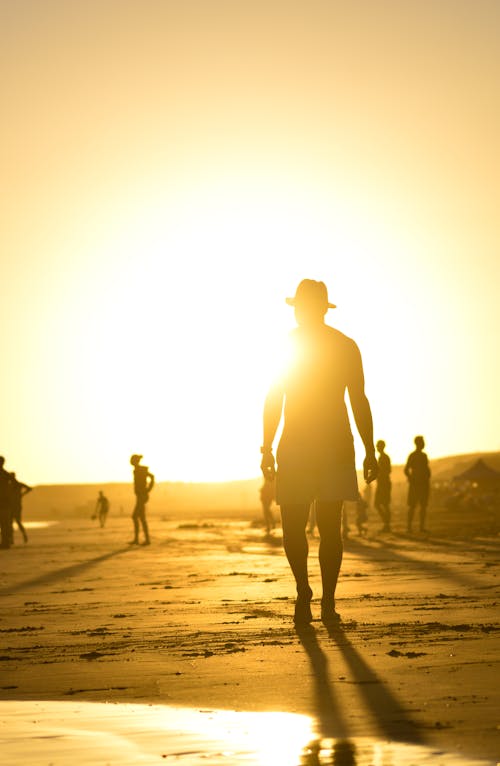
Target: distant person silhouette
x=367 y=495
x=361 y=516
x=143 y=484
x=5 y=506
x=315 y=455
x=382 y=500
x=311 y=524
x=267 y=494
x=101 y=508
x=17 y=492
x=418 y=472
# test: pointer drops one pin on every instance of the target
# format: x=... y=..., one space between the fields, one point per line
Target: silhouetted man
x=382 y=500
x=5 y=506
x=316 y=453
x=101 y=508
x=143 y=484
x=17 y=491
x=418 y=472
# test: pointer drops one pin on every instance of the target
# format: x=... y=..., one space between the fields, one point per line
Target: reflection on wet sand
x=39 y=524
x=88 y=733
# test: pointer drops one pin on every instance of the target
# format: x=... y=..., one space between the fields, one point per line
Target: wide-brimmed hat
x=311 y=292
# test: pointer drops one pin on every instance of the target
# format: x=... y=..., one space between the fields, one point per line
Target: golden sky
x=171 y=169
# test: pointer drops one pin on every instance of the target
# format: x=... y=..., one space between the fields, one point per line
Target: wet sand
x=96 y=733
x=201 y=620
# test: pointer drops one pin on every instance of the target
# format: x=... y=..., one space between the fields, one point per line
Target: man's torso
x=418 y=467
x=315 y=412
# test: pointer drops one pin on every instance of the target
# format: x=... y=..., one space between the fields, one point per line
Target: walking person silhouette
x=5 y=506
x=143 y=484
x=101 y=508
x=267 y=492
x=18 y=490
x=315 y=456
x=382 y=500
x=419 y=474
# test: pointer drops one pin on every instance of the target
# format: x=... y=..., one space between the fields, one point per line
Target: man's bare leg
x=138 y=511
x=423 y=514
x=381 y=511
x=329 y=517
x=411 y=514
x=145 y=529
x=294 y=520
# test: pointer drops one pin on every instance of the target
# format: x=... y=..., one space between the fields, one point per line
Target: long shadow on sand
x=385 y=553
x=386 y=709
x=59 y=574
x=331 y=721
x=392 y=719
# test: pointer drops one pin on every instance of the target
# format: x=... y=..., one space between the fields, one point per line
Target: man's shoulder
x=342 y=340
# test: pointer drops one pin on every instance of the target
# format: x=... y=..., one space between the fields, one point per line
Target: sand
x=200 y=622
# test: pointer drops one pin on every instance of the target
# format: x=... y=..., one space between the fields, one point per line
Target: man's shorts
x=383 y=494
x=300 y=481
x=418 y=494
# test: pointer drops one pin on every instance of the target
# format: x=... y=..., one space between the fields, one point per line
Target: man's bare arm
x=362 y=415
x=151 y=482
x=273 y=407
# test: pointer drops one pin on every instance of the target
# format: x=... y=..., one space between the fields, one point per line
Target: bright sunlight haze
x=172 y=170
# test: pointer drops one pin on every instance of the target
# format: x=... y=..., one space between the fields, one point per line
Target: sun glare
x=179 y=320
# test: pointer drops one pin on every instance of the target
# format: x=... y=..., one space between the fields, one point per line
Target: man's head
x=380 y=445
x=419 y=442
x=310 y=302
x=135 y=459
x=2 y=461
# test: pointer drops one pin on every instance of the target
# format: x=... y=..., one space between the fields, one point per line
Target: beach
x=201 y=621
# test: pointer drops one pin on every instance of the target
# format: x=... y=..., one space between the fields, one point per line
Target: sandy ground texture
x=202 y=620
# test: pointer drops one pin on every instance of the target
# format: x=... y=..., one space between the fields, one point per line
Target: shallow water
x=39 y=524
x=108 y=734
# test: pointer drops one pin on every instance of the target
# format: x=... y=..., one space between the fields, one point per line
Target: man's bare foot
x=303 y=612
x=329 y=615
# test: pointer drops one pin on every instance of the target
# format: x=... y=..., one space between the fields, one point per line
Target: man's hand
x=370 y=467
x=267 y=466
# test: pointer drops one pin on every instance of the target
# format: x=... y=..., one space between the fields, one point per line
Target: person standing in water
x=315 y=457
x=143 y=484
